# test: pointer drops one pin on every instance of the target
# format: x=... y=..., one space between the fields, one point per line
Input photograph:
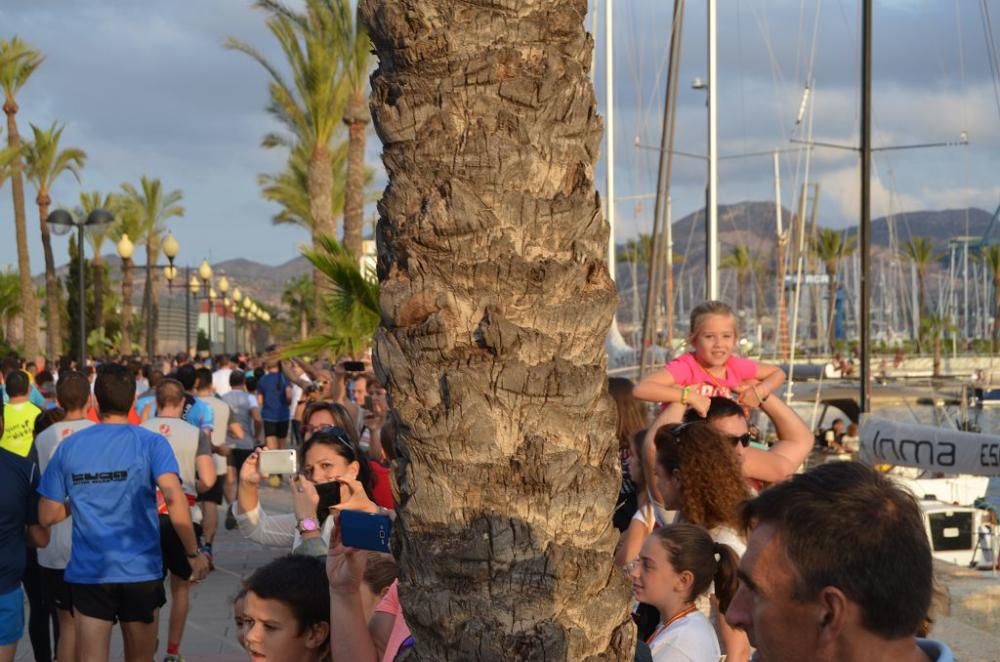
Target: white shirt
x=221 y=411
x=220 y=381
x=688 y=639
x=275 y=530
x=55 y=555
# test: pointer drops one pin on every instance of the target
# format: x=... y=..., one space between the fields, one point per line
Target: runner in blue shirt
x=107 y=476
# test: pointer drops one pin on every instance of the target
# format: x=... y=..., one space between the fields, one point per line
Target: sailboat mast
x=865 y=229
x=711 y=196
x=609 y=113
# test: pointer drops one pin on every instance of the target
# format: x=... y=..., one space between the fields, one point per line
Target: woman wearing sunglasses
x=699 y=476
x=329 y=453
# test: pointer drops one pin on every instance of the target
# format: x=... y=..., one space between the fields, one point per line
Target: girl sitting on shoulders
x=711 y=368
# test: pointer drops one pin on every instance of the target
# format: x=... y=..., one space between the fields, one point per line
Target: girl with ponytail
x=677 y=564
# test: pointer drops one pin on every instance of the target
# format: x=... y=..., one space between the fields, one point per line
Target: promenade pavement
x=209 y=635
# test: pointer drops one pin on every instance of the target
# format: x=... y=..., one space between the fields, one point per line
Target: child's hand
x=700 y=403
x=751 y=395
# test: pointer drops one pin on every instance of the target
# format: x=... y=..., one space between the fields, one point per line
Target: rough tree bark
x=29 y=307
x=496 y=301
x=321 y=210
x=53 y=303
x=356 y=119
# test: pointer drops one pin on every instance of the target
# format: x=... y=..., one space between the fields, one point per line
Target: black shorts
x=237 y=457
x=175 y=560
x=56 y=589
x=137 y=601
x=277 y=429
x=214 y=494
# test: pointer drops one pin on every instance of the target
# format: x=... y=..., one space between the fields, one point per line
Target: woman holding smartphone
x=329 y=454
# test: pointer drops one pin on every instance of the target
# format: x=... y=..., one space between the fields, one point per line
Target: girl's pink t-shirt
x=389 y=604
x=686 y=371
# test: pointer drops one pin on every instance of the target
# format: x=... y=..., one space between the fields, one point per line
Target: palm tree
x=312 y=104
x=10 y=302
x=155 y=207
x=920 y=252
x=45 y=162
x=128 y=223
x=357 y=63
x=744 y=264
x=350 y=302
x=298 y=296
x=96 y=236
x=991 y=255
x=933 y=329
x=830 y=247
x=495 y=302
x=17 y=62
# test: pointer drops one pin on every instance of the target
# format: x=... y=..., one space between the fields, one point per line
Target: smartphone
x=354 y=366
x=367 y=406
x=278 y=462
x=329 y=496
x=361 y=530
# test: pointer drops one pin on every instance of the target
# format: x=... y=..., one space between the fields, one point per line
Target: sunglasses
x=741 y=440
x=329 y=433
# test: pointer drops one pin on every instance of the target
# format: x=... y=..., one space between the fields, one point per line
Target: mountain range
x=750 y=223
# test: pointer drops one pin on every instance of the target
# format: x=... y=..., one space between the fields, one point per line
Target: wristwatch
x=192 y=555
x=308 y=524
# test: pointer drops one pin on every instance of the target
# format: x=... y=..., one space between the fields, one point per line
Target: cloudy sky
x=146 y=88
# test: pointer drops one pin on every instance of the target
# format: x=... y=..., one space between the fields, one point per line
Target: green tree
x=72 y=279
x=310 y=103
x=298 y=296
x=10 y=303
x=495 y=303
x=45 y=162
x=933 y=329
x=830 y=247
x=96 y=236
x=744 y=264
x=154 y=207
x=350 y=303
x=991 y=256
x=18 y=61
x=920 y=252
x=128 y=223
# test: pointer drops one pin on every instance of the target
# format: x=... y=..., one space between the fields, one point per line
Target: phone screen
x=329 y=496
x=354 y=366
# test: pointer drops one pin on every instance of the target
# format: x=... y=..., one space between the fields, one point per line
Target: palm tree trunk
x=321 y=210
x=921 y=303
x=502 y=533
x=53 y=342
x=831 y=304
x=152 y=337
x=356 y=119
x=303 y=322
x=98 y=266
x=127 y=307
x=29 y=307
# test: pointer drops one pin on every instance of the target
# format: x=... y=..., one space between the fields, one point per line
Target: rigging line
x=777 y=77
x=991 y=51
x=965 y=110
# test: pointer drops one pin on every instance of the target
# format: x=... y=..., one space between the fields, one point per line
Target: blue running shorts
x=11 y=617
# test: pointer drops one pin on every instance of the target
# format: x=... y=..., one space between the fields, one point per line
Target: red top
x=381 y=485
x=133 y=417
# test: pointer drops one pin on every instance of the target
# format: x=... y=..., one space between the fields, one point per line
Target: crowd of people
x=112 y=479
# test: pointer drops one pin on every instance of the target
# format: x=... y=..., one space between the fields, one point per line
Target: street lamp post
x=205 y=274
x=237 y=300
x=65 y=219
x=223 y=289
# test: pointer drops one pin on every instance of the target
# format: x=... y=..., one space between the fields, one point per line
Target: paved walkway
x=209 y=634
